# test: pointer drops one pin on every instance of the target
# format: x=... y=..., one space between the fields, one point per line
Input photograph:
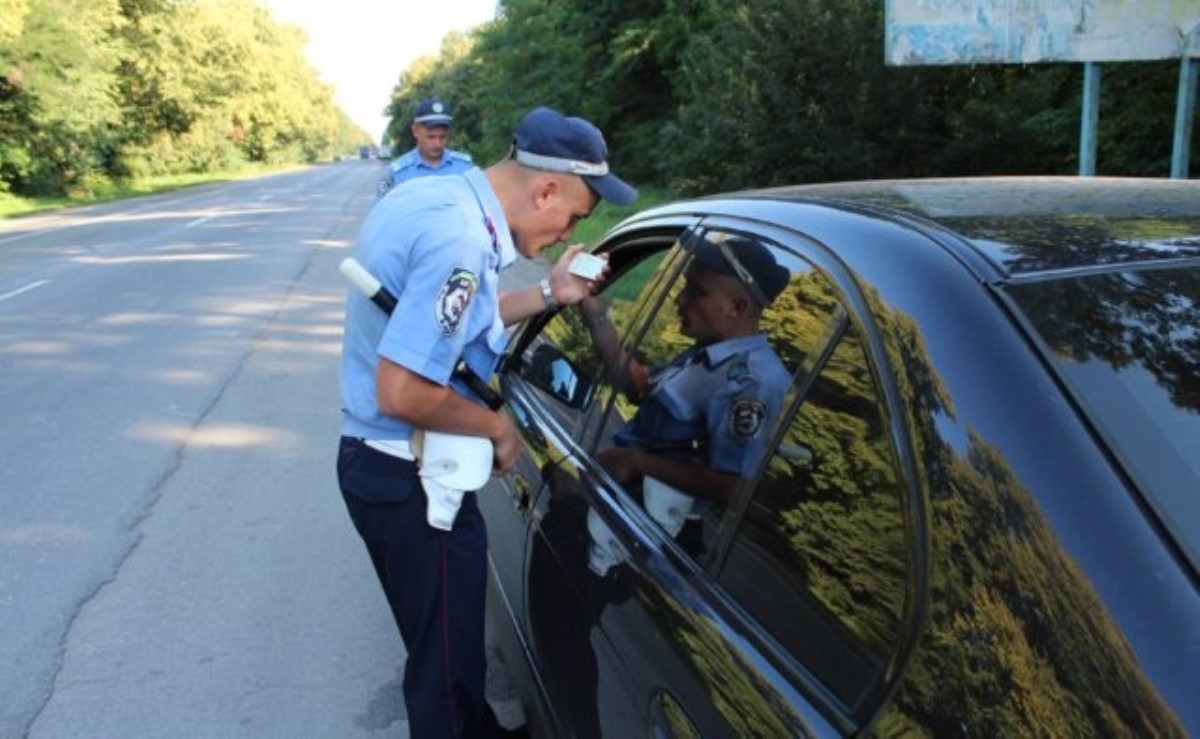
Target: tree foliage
x=93 y=91
x=704 y=95
x=693 y=95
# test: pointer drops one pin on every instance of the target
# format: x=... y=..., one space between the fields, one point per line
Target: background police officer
x=439 y=249
x=431 y=131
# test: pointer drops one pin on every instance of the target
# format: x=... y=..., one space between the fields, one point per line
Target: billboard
x=1026 y=31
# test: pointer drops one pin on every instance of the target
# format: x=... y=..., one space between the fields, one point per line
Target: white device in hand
x=587 y=266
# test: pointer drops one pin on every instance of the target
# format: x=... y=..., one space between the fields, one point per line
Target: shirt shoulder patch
x=453 y=299
x=746 y=416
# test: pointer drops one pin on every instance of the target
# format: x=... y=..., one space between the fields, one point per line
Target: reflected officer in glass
x=702 y=424
x=704 y=419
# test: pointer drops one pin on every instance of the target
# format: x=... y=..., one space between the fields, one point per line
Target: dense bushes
x=94 y=92
x=702 y=95
x=694 y=95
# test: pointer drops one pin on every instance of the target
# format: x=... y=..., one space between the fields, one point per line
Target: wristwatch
x=547 y=294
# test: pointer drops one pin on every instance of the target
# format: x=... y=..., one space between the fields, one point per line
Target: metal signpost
x=921 y=32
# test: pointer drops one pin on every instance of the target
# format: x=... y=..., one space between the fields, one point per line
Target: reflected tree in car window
x=1144 y=318
x=820 y=556
x=1128 y=345
x=1017 y=641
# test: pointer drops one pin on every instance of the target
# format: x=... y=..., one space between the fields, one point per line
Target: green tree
x=56 y=94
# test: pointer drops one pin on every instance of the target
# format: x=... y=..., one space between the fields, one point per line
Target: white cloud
x=360 y=47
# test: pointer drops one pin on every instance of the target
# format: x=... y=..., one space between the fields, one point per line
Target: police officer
x=702 y=425
x=704 y=418
x=439 y=250
x=431 y=131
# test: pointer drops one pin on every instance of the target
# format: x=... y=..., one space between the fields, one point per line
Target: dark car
x=972 y=509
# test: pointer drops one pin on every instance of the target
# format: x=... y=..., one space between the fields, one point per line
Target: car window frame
x=900 y=435
x=629 y=248
x=640 y=533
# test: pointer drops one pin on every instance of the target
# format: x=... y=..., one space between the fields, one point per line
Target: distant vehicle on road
x=364 y=152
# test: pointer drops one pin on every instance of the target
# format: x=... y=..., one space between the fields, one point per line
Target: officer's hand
x=569 y=289
x=506 y=446
x=594 y=308
x=620 y=463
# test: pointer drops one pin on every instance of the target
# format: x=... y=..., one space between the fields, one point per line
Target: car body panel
x=1022 y=527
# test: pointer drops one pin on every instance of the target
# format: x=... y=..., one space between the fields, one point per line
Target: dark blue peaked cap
x=743 y=258
x=432 y=112
x=549 y=141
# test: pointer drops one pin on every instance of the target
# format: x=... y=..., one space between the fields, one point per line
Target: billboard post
x=1184 y=110
x=919 y=32
x=1090 y=119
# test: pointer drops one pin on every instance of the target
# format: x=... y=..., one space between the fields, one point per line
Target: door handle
x=522 y=493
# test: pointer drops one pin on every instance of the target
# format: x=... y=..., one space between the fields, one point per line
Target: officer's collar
x=491 y=208
x=718 y=352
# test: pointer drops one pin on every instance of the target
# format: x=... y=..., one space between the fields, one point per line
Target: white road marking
x=27 y=288
x=198 y=221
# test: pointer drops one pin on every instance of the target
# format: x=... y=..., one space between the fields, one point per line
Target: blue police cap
x=432 y=112
x=743 y=258
x=549 y=141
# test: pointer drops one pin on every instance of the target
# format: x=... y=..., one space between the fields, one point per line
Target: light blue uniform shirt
x=439 y=250
x=714 y=405
x=412 y=165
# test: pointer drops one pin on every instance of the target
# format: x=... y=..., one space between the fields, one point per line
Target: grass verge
x=605 y=216
x=14 y=205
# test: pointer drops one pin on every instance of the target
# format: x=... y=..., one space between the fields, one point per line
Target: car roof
x=1018 y=226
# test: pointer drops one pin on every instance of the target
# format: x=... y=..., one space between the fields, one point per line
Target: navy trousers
x=435 y=583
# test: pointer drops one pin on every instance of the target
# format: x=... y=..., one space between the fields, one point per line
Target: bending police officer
x=439 y=250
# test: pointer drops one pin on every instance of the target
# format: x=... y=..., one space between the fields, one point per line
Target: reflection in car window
x=1128 y=345
x=563 y=363
x=701 y=392
x=819 y=557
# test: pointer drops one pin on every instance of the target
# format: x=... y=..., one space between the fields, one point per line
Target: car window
x=700 y=383
x=1128 y=347
x=562 y=363
x=819 y=556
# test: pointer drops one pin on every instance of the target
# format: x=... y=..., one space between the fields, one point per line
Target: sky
x=360 y=47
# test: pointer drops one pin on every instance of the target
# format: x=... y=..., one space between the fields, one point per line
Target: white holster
x=665 y=504
x=450 y=465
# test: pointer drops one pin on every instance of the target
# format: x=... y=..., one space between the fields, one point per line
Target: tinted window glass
x=819 y=558
x=1128 y=344
x=699 y=389
x=562 y=362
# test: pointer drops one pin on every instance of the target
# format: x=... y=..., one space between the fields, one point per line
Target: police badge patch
x=454 y=297
x=746 y=416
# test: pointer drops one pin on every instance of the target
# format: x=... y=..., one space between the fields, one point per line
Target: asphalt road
x=175 y=559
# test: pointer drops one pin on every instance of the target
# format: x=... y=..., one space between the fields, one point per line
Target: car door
x=629 y=621
x=552 y=387
x=675 y=656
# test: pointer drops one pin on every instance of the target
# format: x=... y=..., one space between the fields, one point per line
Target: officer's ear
x=742 y=305
x=545 y=188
